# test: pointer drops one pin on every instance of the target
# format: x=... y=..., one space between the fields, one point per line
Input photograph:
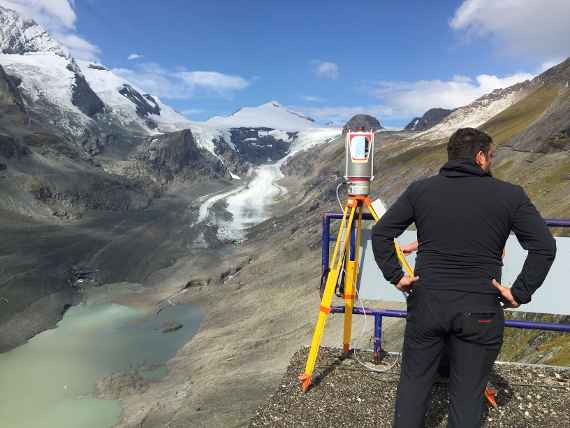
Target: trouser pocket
x=483 y=327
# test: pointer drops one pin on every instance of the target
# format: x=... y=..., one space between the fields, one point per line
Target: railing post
x=377 y=338
x=326 y=240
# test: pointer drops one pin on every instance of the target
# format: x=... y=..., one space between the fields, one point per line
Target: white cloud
x=181 y=83
x=527 y=28
x=212 y=80
x=58 y=17
x=78 y=46
x=134 y=56
x=50 y=13
x=192 y=111
x=312 y=99
x=340 y=114
x=414 y=98
x=326 y=70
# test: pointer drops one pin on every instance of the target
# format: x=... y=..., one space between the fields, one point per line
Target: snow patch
x=312 y=137
x=276 y=134
x=205 y=137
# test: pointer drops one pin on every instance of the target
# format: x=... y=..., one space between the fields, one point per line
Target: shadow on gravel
x=322 y=374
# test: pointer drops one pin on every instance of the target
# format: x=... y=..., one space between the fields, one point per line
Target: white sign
x=553 y=297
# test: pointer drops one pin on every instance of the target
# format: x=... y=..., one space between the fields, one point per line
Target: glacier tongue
x=249 y=204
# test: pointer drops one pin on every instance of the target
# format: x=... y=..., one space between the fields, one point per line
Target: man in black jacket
x=463 y=218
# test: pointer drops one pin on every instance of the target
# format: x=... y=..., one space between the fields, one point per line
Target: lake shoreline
x=108 y=335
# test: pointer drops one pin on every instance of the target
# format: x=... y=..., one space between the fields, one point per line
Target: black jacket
x=463 y=218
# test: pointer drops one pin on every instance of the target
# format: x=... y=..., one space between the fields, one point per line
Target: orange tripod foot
x=305 y=381
x=490 y=397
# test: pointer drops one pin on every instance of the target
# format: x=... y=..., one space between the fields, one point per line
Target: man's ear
x=480 y=158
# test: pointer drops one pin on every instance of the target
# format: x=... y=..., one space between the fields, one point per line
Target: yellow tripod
x=341 y=261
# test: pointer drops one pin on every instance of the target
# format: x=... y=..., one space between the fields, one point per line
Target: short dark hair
x=465 y=143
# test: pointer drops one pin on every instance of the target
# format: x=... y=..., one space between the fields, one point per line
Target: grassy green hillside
x=532 y=150
x=520 y=116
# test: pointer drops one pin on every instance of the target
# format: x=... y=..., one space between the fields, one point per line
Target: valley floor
x=38 y=259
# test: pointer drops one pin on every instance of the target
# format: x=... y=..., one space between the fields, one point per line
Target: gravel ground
x=346 y=394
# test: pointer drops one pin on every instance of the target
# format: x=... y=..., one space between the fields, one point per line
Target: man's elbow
x=551 y=249
x=547 y=250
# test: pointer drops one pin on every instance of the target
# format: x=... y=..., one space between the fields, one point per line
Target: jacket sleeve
x=398 y=217
x=535 y=237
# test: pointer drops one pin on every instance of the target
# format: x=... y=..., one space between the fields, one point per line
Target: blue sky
x=329 y=59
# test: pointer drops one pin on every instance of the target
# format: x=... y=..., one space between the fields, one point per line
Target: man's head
x=471 y=144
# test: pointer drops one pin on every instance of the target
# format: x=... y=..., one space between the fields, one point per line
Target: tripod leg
x=325 y=307
x=349 y=286
x=350 y=279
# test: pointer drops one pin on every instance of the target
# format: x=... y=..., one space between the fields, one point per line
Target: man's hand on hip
x=406 y=283
x=508 y=299
x=410 y=248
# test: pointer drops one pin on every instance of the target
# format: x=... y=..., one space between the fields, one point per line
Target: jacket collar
x=462 y=168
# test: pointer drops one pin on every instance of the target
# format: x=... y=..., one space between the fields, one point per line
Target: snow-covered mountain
x=131 y=105
x=84 y=98
x=269 y=115
x=76 y=95
x=87 y=101
x=19 y=36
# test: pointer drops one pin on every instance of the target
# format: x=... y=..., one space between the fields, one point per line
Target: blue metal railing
x=378 y=314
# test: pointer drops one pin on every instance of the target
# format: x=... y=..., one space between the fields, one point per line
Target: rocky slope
x=479 y=111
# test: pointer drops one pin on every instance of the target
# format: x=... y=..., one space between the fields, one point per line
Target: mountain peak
x=272 y=115
x=430 y=118
x=365 y=121
x=21 y=36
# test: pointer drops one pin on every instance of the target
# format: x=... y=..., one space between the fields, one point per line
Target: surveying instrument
x=344 y=264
